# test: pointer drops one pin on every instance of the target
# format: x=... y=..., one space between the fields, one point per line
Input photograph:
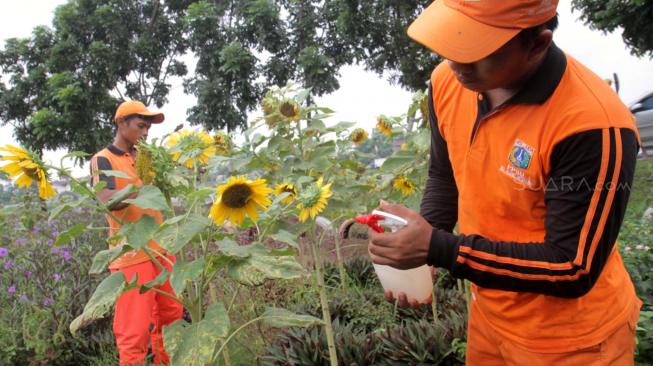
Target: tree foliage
x=635 y=17
x=63 y=83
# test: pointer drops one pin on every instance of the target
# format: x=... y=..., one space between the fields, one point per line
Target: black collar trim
x=116 y=150
x=545 y=80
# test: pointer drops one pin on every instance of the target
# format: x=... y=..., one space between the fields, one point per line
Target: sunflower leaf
x=114 y=173
x=193 y=345
x=139 y=233
x=101 y=301
x=104 y=257
x=159 y=280
x=285 y=237
x=120 y=195
x=173 y=237
x=281 y=318
x=149 y=197
x=246 y=274
x=66 y=236
x=183 y=272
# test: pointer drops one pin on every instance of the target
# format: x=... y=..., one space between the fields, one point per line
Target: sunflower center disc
x=236 y=196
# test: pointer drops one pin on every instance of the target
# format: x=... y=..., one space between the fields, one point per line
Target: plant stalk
x=326 y=315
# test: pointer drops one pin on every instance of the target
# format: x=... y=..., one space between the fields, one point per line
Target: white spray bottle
x=416 y=283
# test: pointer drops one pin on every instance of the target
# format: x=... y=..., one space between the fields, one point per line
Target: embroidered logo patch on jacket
x=521 y=154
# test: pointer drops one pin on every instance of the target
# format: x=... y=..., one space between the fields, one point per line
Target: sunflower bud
x=358 y=136
x=290 y=109
x=144 y=165
x=384 y=126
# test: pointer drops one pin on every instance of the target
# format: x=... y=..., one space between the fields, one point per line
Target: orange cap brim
x=156 y=117
x=456 y=36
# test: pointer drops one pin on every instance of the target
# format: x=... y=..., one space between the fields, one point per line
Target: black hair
x=528 y=35
x=130 y=117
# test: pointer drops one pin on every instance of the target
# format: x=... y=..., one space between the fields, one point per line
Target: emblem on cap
x=521 y=154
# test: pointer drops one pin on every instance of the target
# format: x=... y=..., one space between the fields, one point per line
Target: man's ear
x=541 y=44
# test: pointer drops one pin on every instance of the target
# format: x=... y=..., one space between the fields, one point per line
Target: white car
x=642 y=109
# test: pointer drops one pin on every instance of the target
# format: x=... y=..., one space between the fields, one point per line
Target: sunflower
x=404 y=185
x=314 y=201
x=290 y=109
x=283 y=188
x=269 y=105
x=384 y=126
x=239 y=197
x=144 y=165
x=358 y=136
x=191 y=148
x=222 y=142
x=27 y=168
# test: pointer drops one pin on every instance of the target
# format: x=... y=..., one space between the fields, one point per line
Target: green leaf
x=341 y=126
x=285 y=237
x=99 y=186
x=140 y=232
x=149 y=197
x=120 y=195
x=281 y=318
x=174 y=237
x=158 y=281
x=232 y=249
x=104 y=257
x=274 y=267
x=398 y=162
x=246 y=274
x=65 y=237
x=193 y=345
x=75 y=154
x=115 y=173
x=101 y=302
x=65 y=207
x=183 y=272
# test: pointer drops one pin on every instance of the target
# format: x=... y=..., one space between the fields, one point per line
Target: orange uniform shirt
x=543 y=257
x=112 y=158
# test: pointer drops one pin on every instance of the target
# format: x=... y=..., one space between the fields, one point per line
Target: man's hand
x=408 y=247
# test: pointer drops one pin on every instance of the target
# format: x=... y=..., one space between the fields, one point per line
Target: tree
x=634 y=16
x=65 y=82
x=244 y=47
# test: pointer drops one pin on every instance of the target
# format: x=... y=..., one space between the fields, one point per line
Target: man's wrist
x=443 y=249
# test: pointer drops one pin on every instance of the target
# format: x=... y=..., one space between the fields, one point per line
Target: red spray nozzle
x=371 y=220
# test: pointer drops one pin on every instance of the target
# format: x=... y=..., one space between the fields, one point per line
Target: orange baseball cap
x=466 y=31
x=132 y=107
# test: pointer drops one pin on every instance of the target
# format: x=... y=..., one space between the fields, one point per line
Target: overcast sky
x=365 y=95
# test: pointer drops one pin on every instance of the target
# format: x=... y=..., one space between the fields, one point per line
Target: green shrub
x=43 y=287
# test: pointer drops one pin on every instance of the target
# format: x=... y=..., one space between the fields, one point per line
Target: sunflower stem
x=326 y=315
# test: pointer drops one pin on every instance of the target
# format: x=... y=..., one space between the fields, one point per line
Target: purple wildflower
x=56 y=250
x=11 y=289
x=21 y=241
x=48 y=301
x=9 y=264
x=4 y=252
x=50 y=241
x=66 y=255
x=55 y=234
x=57 y=277
x=28 y=274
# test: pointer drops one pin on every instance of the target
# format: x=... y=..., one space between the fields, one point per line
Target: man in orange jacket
x=135 y=313
x=532 y=155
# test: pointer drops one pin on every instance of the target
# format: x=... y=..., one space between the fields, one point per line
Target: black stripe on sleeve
x=104 y=164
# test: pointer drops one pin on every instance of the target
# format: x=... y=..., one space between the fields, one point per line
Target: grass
x=641 y=195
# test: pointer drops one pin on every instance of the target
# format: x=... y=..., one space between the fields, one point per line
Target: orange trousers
x=487 y=348
x=136 y=313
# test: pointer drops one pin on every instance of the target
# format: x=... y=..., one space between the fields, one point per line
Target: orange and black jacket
x=538 y=187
